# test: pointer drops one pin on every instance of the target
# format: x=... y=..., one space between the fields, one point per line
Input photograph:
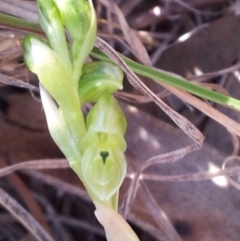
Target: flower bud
x=76 y=16
x=106 y=116
x=103 y=170
x=51 y=23
x=80 y=20
x=98 y=78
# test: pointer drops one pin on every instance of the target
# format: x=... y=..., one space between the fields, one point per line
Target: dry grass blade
x=58 y=184
x=199 y=176
x=180 y=121
x=169 y=233
x=22 y=9
x=129 y=34
x=128 y=6
x=29 y=5
x=236 y=184
x=38 y=164
x=23 y=216
x=18 y=83
x=231 y=125
x=140 y=99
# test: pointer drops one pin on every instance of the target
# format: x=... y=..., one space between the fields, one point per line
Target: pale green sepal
x=104 y=170
x=98 y=78
x=61 y=135
x=116 y=228
x=106 y=116
x=81 y=49
x=53 y=76
x=58 y=128
x=52 y=25
x=76 y=16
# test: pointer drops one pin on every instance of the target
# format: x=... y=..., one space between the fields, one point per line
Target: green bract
x=44 y=62
x=58 y=129
x=98 y=78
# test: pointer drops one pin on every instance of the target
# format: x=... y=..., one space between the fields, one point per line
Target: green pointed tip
x=76 y=16
x=32 y=46
x=48 y=14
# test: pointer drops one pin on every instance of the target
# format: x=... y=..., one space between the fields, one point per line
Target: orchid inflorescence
x=93 y=146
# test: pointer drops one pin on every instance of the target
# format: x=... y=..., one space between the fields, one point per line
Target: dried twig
x=37 y=164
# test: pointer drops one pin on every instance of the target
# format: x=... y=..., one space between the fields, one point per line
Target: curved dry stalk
x=18 y=83
x=199 y=176
x=38 y=164
x=168 y=231
x=58 y=184
x=23 y=216
x=214 y=74
x=129 y=34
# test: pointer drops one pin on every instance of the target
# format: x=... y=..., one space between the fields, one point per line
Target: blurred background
x=197 y=39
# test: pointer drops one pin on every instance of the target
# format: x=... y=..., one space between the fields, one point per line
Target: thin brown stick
x=210 y=75
x=199 y=176
x=169 y=233
x=35 y=164
x=58 y=184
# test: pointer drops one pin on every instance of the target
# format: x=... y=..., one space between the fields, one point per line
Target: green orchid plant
x=95 y=145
